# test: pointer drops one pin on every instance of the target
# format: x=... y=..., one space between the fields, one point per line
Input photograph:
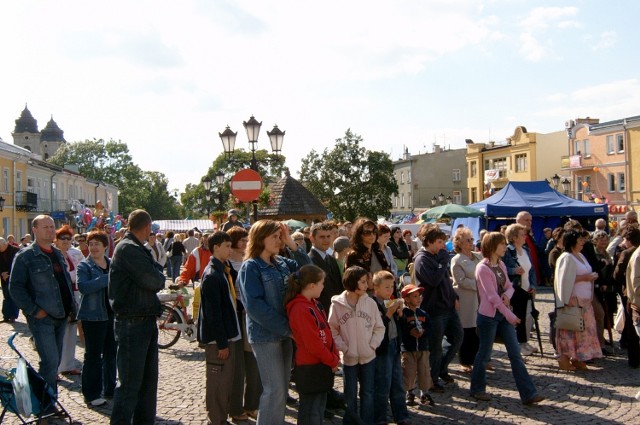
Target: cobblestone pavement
x=602 y=395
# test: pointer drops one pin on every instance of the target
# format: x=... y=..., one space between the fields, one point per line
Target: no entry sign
x=246 y=185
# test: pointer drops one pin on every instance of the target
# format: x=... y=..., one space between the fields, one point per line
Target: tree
x=270 y=168
x=350 y=180
x=111 y=162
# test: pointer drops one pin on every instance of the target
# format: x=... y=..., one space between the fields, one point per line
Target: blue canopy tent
x=548 y=207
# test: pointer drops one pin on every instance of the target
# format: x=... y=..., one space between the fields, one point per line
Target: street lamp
x=556 y=181
x=2 y=201
x=449 y=200
x=441 y=198
x=220 y=181
x=434 y=201
x=252 y=127
x=565 y=186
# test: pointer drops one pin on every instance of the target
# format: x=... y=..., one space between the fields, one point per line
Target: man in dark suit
x=321 y=239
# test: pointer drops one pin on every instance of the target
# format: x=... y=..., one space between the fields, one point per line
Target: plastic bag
x=22 y=389
x=618 y=321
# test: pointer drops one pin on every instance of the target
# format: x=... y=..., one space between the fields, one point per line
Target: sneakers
x=481 y=396
x=426 y=399
x=97 y=402
x=533 y=348
x=411 y=399
x=524 y=350
x=534 y=400
x=242 y=417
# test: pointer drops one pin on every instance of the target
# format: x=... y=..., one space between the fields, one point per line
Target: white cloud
x=536 y=46
x=531 y=48
x=607 y=40
x=543 y=17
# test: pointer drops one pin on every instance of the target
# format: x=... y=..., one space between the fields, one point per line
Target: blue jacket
x=217 y=319
x=432 y=274
x=510 y=260
x=262 y=289
x=92 y=283
x=33 y=285
x=134 y=280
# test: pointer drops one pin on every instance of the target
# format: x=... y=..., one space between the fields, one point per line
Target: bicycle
x=175 y=321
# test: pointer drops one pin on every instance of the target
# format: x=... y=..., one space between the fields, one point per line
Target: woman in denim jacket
x=262 y=281
x=99 y=370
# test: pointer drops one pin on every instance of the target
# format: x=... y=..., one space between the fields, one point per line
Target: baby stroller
x=44 y=403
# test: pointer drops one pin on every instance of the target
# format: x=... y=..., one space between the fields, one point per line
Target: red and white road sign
x=246 y=185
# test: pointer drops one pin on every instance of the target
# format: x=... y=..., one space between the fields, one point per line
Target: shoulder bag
x=569 y=319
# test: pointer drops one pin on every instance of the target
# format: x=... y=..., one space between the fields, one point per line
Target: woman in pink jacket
x=495 y=317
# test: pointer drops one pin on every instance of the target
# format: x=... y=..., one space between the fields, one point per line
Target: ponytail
x=299 y=280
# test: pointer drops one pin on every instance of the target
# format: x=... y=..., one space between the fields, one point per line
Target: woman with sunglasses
x=72 y=256
x=365 y=251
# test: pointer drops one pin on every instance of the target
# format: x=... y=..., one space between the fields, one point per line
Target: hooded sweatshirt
x=314 y=343
x=357 y=331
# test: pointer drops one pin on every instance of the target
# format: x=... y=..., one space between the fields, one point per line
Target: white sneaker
x=531 y=348
x=524 y=350
x=97 y=402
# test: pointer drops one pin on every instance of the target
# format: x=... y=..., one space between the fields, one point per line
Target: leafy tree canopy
x=111 y=162
x=350 y=180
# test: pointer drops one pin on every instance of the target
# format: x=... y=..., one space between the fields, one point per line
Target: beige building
x=523 y=156
x=423 y=179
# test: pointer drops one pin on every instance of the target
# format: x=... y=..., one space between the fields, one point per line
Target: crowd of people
x=277 y=308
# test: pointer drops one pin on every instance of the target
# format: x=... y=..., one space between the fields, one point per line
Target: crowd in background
x=372 y=301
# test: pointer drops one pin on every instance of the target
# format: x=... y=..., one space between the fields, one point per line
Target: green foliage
x=270 y=168
x=111 y=162
x=350 y=180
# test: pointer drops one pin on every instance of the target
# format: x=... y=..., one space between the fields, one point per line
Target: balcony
x=26 y=201
x=577 y=162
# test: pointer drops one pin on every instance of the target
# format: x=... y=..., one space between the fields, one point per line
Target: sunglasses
x=369 y=232
x=64 y=238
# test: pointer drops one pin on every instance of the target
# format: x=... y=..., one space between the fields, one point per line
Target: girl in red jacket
x=314 y=344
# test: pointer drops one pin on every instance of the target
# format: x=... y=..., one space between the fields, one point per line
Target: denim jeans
x=388 y=385
x=274 y=363
x=9 y=308
x=311 y=409
x=48 y=334
x=135 y=396
x=488 y=327
x=99 y=368
x=444 y=324
x=365 y=374
x=176 y=262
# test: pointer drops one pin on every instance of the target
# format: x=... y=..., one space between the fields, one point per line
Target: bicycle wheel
x=168 y=336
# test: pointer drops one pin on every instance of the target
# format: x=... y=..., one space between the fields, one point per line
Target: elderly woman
x=522 y=275
x=496 y=318
x=365 y=251
x=99 y=370
x=573 y=285
x=262 y=281
x=72 y=256
x=463 y=270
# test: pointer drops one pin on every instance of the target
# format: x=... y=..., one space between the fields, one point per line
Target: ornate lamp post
x=565 y=186
x=556 y=181
x=252 y=127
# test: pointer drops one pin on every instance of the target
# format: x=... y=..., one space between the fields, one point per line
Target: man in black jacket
x=218 y=328
x=440 y=302
x=134 y=281
x=321 y=238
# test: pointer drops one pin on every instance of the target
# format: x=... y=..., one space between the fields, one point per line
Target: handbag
x=569 y=319
x=313 y=378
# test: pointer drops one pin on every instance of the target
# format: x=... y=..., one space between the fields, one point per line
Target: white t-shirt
x=525 y=263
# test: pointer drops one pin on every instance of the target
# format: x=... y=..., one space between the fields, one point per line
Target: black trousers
x=519 y=302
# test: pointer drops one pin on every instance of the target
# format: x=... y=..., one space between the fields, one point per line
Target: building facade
x=522 y=157
x=423 y=177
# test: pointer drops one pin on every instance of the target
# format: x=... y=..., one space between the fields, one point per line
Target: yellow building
x=522 y=157
x=631 y=129
x=13 y=174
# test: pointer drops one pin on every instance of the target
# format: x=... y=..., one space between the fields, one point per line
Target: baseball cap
x=410 y=288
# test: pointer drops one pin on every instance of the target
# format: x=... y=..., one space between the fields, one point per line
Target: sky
x=166 y=77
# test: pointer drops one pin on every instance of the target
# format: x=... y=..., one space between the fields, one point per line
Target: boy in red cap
x=415 y=347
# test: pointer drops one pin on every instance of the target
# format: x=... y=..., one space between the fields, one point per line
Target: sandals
x=577 y=364
x=565 y=364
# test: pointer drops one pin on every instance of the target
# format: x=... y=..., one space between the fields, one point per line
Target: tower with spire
x=45 y=142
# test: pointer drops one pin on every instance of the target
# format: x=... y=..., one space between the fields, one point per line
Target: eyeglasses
x=369 y=232
x=64 y=238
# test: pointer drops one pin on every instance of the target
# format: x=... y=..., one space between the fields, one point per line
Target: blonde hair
x=381 y=276
x=460 y=235
x=513 y=230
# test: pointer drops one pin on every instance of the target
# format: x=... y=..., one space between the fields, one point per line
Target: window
x=619 y=143
x=587 y=187
x=576 y=147
x=473 y=169
x=457 y=197
x=586 y=152
x=474 y=195
x=31 y=184
x=396 y=201
x=611 y=182
x=501 y=165
x=410 y=201
x=456 y=174
x=409 y=176
x=18 y=181
x=5 y=227
x=402 y=201
x=621 y=187
x=5 y=180
x=402 y=177
x=610 y=148
x=521 y=163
